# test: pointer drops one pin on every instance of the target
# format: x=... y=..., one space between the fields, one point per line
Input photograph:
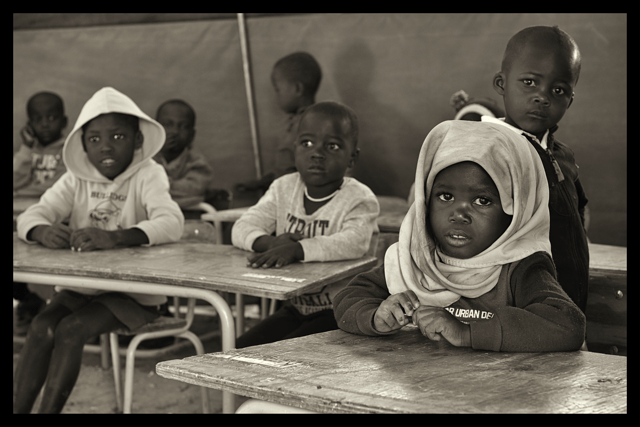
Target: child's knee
x=42 y=328
x=70 y=331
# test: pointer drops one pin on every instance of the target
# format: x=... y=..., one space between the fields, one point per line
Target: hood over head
x=109 y=100
x=416 y=263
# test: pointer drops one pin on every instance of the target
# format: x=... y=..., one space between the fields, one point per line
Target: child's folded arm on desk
x=165 y=221
x=543 y=317
x=259 y=220
x=356 y=304
x=54 y=207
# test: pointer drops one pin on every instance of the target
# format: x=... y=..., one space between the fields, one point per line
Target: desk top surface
x=407 y=373
x=194 y=264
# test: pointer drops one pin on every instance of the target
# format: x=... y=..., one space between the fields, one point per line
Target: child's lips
x=315 y=168
x=107 y=162
x=457 y=238
x=537 y=114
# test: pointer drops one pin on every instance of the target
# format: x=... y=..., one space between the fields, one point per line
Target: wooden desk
x=337 y=372
x=607 y=299
x=183 y=269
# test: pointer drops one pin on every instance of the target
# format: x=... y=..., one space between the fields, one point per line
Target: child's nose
x=106 y=147
x=318 y=151
x=541 y=97
x=460 y=213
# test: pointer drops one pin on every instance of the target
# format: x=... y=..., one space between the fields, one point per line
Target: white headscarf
x=517 y=171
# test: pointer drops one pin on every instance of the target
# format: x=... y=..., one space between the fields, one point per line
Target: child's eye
x=445 y=197
x=94 y=138
x=51 y=118
x=482 y=201
x=306 y=143
x=558 y=91
x=528 y=82
x=332 y=146
x=118 y=136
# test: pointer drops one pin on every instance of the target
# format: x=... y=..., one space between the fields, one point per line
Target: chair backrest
x=198 y=230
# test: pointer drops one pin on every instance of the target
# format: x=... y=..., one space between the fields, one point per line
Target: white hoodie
x=137 y=198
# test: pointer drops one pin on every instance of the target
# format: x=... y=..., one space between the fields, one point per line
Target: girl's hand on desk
x=396 y=311
x=55 y=236
x=278 y=256
x=436 y=322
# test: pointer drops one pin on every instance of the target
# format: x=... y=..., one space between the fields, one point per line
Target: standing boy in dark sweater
x=540 y=70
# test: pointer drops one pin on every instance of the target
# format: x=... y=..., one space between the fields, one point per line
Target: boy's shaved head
x=550 y=38
x=49 y=98
x=301 y=67
x=340 y=112
x=190 y=111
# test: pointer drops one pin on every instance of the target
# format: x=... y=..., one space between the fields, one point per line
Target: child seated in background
x=316 y=213
x=112 y=195
x=473 y=262
x=36 y=166
x=295 y=78
x=38 y=162
x=189 y=173
x=540 y=69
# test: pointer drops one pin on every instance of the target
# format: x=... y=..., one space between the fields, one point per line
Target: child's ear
x=498 y=83
x=354 y=157
x=571 y=100
x=139 y=139
x=299 y=86
x=192 y=135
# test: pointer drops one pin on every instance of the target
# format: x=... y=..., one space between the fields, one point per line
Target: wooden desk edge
x=174 y=370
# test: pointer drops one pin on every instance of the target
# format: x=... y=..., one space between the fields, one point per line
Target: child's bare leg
x=71 y=335
x=33 y=364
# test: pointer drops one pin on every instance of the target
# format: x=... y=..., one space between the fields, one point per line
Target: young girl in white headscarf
x=472 y=264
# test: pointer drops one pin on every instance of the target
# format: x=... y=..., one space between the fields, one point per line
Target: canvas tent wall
x=397 y=71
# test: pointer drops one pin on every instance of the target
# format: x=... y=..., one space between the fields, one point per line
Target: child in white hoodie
x=113 y=194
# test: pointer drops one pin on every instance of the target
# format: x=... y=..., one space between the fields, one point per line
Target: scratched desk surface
x=200 y=265
x=337 y=372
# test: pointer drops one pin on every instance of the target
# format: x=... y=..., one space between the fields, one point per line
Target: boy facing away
x=112 y=195
x=189 y=173
x=540 y=70
x=295 y=78
x=38 y=162
x=316 y=214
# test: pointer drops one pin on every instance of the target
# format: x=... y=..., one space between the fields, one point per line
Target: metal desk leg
x=212 y=297
x=240 y=315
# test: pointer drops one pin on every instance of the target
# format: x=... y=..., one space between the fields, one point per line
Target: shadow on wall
x=389 y=144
